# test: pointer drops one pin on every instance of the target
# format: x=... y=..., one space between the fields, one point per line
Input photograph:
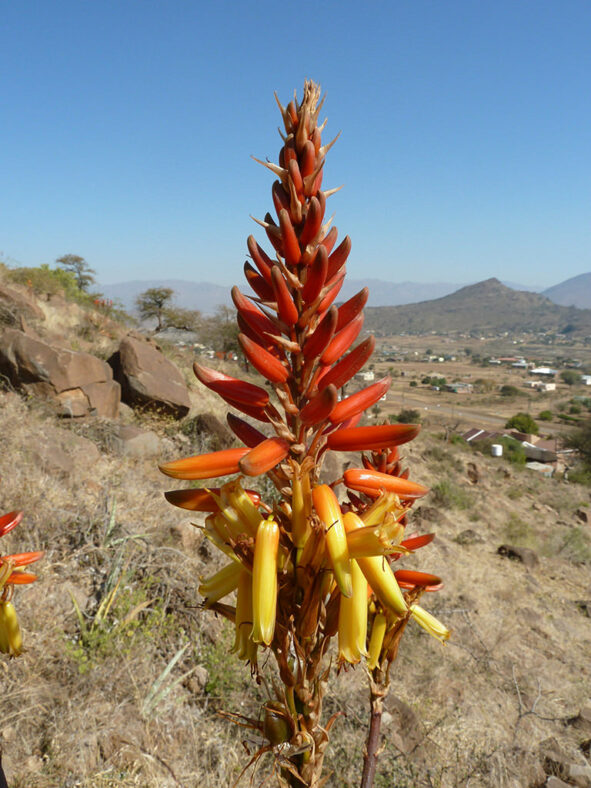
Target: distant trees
x=221 y=330
x=156 y=302
x=523 y=422
x=570 y=377
x=406 y=416
x=153 y=302
x=580 y=440
x=509 y=391
x=78 y=266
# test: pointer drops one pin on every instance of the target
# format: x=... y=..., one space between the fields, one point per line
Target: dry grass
x=79 y=708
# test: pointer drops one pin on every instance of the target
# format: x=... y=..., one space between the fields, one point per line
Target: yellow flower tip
x=11 y=640
x=378 y=573
x=328 y=510
x=376 y=640
x=221 y=584
x=353 y=619
x=429 y=623
x=264 y=582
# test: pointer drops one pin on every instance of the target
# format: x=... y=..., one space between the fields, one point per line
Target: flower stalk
x=316 y=564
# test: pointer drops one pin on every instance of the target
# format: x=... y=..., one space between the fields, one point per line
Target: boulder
x=135 y=442
x=524 y=555
x=15 y=305
x=80 y=382
x=148 y=379
x=207 y=433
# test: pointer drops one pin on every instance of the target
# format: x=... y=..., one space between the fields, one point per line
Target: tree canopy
x=79 y=267
x=523 y=422
x=153 y=302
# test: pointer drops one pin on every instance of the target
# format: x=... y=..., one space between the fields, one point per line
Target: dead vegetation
x=124 y=674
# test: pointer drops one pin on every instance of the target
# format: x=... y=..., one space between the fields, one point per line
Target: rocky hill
x=486 y=307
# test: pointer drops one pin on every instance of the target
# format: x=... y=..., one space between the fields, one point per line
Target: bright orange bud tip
x=372 y=438
x=205 y=466
x=264 y=457
x=407 y=578
x=264 y=362
x=9 y=521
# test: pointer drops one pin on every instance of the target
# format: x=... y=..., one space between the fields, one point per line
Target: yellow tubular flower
x=353 y=619
x=376 y=640
x=222 y=583
x=429 y=623
x=233 y=522
x=387 y=502
x=376 y=540
x=247 y=511
x=300 y=526
x=378 y=573
x=264 y=582
x=329 y=512
x=11 y=640
x=243 y=615
x=217 y=532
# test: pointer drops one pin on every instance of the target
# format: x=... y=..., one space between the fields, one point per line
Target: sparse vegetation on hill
x=483 y=308
x=125 y=692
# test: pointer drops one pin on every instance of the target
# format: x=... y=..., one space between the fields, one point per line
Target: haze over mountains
x=205 y=296
x=413 y=306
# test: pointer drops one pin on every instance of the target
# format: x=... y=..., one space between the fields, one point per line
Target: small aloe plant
x=307 y=568
x=12 y=574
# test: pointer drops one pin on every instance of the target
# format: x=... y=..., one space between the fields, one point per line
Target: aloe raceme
x=298 y=582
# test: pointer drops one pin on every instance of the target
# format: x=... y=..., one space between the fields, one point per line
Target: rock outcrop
x=14 y=306
x=79 y=382
x=148 y=379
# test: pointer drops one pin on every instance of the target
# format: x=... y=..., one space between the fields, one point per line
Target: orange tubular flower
x=265 y=363
x=264 y=457
x=352 y=308
x=372 y=438
x=358 y=479
x=205 y=466
x=11 y=641
x=362 y=400
x=304 y=572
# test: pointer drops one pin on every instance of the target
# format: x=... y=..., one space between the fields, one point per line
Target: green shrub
x=513 y=450
x=451 y=496
x=545 y=415
x=509 y=391
x=406 y=416
x=523 y=422
x=570 y=377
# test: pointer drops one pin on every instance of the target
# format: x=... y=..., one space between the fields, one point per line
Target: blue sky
x=465 y=149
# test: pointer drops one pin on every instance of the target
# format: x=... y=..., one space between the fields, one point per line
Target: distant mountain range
x=206 y=296
x=572 y=292
x=413 y=307
x=486 y=307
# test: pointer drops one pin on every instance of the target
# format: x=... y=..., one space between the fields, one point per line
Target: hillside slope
x=98 y=700
x=485 y=307
x=572 y=292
